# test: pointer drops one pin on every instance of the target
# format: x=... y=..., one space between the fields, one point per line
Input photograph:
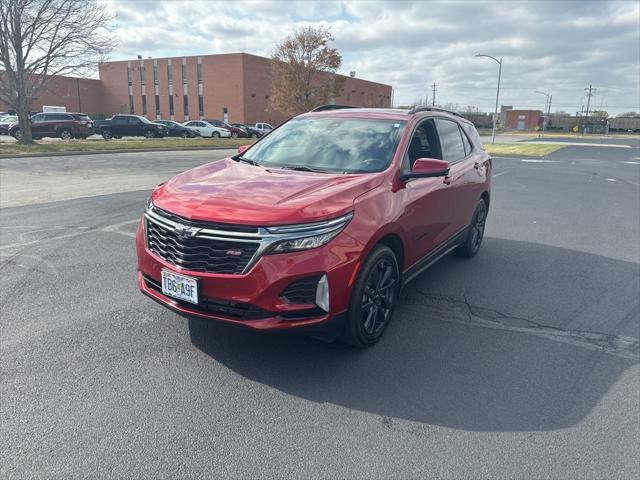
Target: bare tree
x=304 y=71
x=43 y=38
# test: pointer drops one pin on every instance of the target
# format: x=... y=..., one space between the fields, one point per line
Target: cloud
x=559 y=46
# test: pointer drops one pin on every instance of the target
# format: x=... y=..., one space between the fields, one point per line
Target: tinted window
x=473 y=135
x=38 y=118
x=450 y=140
x=351 y=145
x=465 y=141
x=120 y=120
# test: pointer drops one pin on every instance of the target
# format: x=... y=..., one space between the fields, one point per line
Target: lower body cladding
x=299 y=292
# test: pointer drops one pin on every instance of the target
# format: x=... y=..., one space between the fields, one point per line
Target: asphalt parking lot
x=522 y=362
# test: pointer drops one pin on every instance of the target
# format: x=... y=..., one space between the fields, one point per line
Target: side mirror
x=427 y=167
x=242 y=149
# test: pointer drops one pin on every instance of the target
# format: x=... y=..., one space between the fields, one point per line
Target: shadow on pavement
x=437 y=364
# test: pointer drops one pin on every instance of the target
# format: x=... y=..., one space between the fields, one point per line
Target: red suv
x=316 y=227
x=57 y=124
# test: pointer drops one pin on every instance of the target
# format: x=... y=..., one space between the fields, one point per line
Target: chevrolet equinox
x=316 y=227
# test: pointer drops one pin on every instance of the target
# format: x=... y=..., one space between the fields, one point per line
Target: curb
x=104 y=152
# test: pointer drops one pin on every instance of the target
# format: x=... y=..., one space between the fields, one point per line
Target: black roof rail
x=331 y=106
x=433 y=109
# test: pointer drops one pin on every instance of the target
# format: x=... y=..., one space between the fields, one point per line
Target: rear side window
x=473 y=135
x=465 y=141
x=450 y=140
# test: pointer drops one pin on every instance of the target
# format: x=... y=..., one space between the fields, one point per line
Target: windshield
x=351 y=145
x=145 y=120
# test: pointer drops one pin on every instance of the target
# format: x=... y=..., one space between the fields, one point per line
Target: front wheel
x=254 y=135
x=373 y=298
x=234 y=134
x=149 y=134
x=107 y=134
x=471 y=246
x=17 y=134
x=66 y=134
x=215 y=135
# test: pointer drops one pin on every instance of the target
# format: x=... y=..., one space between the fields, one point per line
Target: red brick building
x=233 y=87
x=526 y=120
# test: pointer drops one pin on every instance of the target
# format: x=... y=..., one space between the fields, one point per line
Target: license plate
x=180 y=286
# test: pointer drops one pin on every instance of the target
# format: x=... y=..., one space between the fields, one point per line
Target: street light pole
x=547 y=107
x=495 y=115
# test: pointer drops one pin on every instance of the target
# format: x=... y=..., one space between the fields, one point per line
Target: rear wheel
x=17 y=134
x=373 y=298
x=234 y=134
x=475 y=234
x=65 y=134
x=107 y=134
x=215 y=135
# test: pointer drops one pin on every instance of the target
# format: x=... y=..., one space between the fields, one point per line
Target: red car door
x=463 y=178
x=429 y=202
x=39 y=125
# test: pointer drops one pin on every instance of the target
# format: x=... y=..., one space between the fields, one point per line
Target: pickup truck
x=120 y=126
x=263 y=128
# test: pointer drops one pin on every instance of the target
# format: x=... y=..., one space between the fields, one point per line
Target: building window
x=199 y=73
x=170 y=73
x=186 y=105
x=131 y=104
x=200 y=105
x=184 y=73
x=170 y=104
x=225 y=115
x=144 y=104
x=129 y=75
x=141 y=74
x=155 y=74
x=158 y=105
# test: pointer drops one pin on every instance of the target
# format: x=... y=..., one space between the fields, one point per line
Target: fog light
x=322 y=294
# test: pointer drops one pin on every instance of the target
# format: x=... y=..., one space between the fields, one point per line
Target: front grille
x=301 y=291
x=202 y=224
x=214 y=306
x=196 y=253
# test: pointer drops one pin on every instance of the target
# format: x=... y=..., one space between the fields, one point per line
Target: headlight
x=306 y=236
x=149 y=204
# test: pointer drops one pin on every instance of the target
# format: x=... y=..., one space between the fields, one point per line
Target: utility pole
x=433 y=97
x=590 y=93
x=495 y=114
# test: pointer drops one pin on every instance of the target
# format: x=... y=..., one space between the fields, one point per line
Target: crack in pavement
x=462 y=311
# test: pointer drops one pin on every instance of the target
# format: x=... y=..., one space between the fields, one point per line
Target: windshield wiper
x=302 y=168
x=240 y=158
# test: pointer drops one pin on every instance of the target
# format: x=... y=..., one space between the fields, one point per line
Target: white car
x=264 y=128
x=207 y=130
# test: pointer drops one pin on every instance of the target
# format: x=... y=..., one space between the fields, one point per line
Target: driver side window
x=424 y=144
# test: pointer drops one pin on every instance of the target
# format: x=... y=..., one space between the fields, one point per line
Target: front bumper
x=262 y=286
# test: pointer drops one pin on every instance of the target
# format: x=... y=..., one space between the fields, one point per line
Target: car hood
x=227 y=191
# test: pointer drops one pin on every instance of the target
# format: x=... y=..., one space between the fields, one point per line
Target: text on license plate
x=179 y=286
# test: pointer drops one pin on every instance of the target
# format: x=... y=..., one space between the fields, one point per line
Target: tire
x=184 y=134
x=234 y=134
x=66 y=134
x=17 y=134
x=215 y=135
x=254 y=135
x=373 y=298
x=471 y=245
x=107 y=134
x=149 y=134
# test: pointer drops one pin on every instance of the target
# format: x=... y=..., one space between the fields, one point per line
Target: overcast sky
x=557 y=46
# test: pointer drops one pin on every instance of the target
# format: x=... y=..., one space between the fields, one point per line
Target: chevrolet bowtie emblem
x=185 y=231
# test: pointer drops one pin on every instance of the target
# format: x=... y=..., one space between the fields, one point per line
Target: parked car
x=5 y=122
x=120 y=126
x=236 y=132
x=263 y=128
x=207 y=130
x=174 y=129
x=317 y=226
x=60 y=125
x=251 y=131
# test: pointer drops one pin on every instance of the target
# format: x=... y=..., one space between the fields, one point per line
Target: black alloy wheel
x=471 y=245
x=373 y=298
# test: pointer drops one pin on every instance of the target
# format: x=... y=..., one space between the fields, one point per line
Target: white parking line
x=499 y=174
x=537 y=160
x=632 y=163
x=582 y=144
